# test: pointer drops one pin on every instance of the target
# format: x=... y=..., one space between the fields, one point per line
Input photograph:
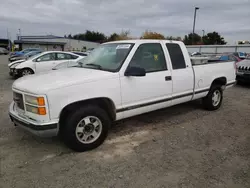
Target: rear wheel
x=214 y=98
x=85 y=128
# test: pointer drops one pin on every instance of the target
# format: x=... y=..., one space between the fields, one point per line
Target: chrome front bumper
x=48 y=129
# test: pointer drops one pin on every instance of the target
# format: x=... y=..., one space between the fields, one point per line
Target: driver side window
x=149 y=56
x=47 y=57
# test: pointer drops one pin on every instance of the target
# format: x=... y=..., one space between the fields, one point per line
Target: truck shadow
x=161 y=118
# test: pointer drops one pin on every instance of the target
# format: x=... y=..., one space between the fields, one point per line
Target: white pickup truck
x=116 y=81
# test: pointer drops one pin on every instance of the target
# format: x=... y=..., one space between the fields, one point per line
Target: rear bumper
x=48 y=129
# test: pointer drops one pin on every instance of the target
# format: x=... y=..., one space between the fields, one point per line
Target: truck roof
x=144 y=40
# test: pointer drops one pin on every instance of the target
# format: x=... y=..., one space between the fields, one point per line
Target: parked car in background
x=195 y=54
x=230 y=57
x=25 y=55
x=3 y=51
x=117 y=80
x=42 y=62
x=68 y=64
x=20 y=53
x=80 y=53
x=243 y=71
x=89 y=50
x=241 y=55
x=22 y=59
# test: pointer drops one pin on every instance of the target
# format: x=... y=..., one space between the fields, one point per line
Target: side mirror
x=39 y=59
x=135 y=71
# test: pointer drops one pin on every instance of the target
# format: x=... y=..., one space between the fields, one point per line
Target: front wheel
x=26 y=71
x=214 y=98
x=86 y=128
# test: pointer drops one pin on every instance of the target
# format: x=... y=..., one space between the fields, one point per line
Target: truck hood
x=55 y=79
x=16 y=62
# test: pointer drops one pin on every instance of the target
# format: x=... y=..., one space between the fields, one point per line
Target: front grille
x=244 y=69
x=18 y=98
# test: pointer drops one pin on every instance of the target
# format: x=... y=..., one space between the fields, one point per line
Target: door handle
x=168 y=78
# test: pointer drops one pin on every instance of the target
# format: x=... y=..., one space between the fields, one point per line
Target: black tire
x=208 y=100
x=26 y=71
x=68 y=130
x=239 y=82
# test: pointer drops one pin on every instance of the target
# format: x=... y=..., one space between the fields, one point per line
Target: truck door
x=152 y=91
x=182 y=73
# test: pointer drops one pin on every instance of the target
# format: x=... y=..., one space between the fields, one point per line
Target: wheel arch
x=219 y=81
x=29 y=69
x=103 y=102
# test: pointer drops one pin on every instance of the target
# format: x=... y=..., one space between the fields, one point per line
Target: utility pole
x=19 y=31
x=203 y=33
x=9 y=47
x=196 y=8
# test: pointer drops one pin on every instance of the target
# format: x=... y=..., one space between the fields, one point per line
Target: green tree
x=91 y=36
x=152 y=35
x=113 y=37
x=124 y=35
x=95 y=36
x=213 y=38
x=188 y=39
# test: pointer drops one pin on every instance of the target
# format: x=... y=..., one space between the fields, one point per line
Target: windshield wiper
x=94 y=65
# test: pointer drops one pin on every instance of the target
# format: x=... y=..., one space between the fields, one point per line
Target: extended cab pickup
x=117 y=80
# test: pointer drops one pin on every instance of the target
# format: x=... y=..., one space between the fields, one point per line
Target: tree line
x=210 y=38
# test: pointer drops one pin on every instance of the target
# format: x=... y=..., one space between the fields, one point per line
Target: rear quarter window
x=176 y=56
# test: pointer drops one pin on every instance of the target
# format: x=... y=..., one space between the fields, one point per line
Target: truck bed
x=206 y=73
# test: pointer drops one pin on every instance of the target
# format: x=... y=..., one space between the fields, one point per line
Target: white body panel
x=206 y=74
x=183 y=79
x=46 y=66
x=129 y=95
x=16 y=62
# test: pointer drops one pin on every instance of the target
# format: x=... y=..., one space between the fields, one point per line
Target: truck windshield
x=107 y=57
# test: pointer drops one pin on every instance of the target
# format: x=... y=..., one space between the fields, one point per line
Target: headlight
x=36 y=110
x=35 y=105
x=14 y=65
x=39 y=101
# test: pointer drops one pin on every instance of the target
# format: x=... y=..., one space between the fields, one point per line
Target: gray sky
x=170 y=17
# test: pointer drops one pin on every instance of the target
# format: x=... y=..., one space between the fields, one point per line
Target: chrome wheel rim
x=26 y=72
x=88 y=130
x=216 y=98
